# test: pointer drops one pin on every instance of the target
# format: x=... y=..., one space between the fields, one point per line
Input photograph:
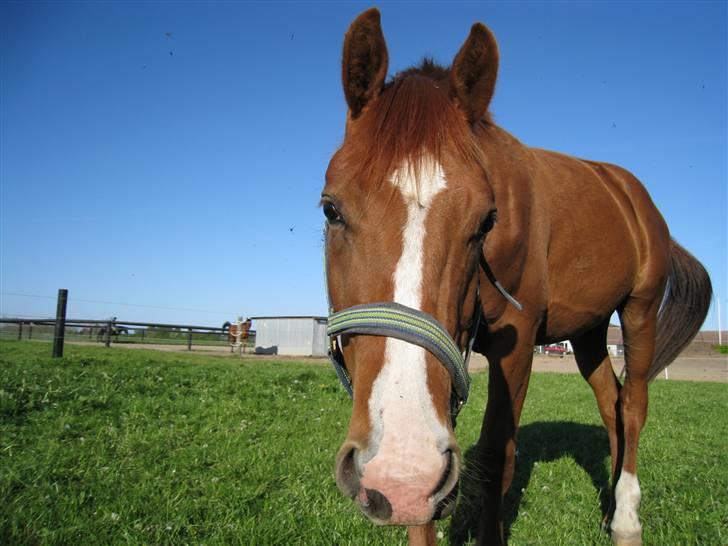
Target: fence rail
x=119 y=332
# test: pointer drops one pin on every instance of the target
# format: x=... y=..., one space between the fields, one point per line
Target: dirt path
x=685 y=368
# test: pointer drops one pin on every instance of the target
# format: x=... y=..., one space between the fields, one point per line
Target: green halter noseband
x=391 y=319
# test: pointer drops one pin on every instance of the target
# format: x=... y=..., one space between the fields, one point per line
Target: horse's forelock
x=411 y=124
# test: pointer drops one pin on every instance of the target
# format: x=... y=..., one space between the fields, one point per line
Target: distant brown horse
x=430 y=205
x=237 y=332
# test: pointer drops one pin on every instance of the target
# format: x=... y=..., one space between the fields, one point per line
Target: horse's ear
x=364 y=67
x=474 y=71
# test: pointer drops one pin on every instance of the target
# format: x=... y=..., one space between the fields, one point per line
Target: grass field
x=141 y=447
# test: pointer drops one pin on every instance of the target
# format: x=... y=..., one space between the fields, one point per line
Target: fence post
x=60 y=328
x=20 y=331
x=30 y=330
x=189 y=339
x=107 y=337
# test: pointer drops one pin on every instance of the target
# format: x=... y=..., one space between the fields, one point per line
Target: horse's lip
x=446 y=473
x=446 y=505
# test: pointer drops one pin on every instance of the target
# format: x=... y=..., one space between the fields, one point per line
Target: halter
x=391 y=319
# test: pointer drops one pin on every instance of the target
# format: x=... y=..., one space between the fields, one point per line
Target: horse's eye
x=487 y=224
x=332 y=214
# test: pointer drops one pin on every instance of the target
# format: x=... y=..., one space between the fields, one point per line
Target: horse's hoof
x=627 y=539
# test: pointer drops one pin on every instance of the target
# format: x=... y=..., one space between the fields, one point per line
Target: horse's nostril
x=377 y=506
x=347 y=473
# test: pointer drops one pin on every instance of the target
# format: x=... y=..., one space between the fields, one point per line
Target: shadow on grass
x=587 y=445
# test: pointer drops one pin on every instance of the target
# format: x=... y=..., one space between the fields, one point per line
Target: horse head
x=408 y=206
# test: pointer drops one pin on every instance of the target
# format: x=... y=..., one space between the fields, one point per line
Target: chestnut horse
x=431 y=206
x=238 y=332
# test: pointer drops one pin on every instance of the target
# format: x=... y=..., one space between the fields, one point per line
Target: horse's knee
x=609 y=415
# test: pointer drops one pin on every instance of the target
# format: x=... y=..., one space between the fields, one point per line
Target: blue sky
x=163 y=161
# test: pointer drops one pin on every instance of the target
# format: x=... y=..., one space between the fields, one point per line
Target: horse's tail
x=684 y=306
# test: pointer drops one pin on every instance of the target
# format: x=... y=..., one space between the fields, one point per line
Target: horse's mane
x=410 y=124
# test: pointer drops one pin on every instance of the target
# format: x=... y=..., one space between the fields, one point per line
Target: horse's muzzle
x=392 y=493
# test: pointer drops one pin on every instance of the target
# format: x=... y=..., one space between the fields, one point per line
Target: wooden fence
x=116 y=331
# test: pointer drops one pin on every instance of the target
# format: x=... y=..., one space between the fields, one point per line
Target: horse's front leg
x=509 y=373
x=422 y=535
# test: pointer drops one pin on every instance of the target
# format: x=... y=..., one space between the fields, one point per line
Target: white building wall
x=320 y=341
x=294 y=336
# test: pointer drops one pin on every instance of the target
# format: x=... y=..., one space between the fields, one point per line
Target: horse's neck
x=507 y=247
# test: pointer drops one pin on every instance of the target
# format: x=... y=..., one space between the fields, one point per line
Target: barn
x=294 y=336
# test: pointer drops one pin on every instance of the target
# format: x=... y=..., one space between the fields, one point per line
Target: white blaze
x=408 y=274
x=405 y=427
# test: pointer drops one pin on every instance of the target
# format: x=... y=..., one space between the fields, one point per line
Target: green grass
x=141 y=447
